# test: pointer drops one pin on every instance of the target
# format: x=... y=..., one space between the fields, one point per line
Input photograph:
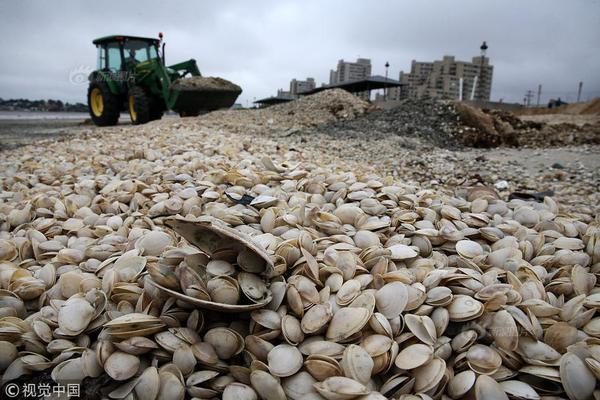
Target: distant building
x=351 y=71
x=284 y=93
x=442 y=79
x=297 y=87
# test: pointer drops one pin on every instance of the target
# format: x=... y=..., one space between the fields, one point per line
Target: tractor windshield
x=139 y=50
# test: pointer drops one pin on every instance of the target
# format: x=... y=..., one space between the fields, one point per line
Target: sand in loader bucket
x=201 y=83
x=198 y=94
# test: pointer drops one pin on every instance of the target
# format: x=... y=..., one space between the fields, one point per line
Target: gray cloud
x=261 y=45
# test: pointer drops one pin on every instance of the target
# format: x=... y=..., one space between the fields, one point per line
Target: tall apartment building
x=441 y=78
x=297 y=87
x=350 y=71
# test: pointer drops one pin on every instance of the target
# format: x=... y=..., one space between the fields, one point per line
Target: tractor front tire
x=103 y=106
x=189 y=113
x=138 y=104
x=156 y=109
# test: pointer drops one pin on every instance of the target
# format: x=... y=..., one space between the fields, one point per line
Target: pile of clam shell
x=248 y=279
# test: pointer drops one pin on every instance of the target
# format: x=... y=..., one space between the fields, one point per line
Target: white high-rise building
x=351 y=71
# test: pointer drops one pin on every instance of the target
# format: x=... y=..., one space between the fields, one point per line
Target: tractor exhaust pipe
x=162 y=50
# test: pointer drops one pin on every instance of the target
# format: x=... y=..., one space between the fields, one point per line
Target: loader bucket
x=197 y=94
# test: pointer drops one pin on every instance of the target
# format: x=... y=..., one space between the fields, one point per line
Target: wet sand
x=21 y=130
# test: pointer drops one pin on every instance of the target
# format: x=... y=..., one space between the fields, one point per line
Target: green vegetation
x=40 y=105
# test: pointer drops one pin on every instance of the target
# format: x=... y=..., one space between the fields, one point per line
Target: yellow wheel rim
x=132 y=111
x=97 y=102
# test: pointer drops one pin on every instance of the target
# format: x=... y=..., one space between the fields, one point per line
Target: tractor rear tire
x=103 y=106
x=138 y=104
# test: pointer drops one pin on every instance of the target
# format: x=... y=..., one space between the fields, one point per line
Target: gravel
x=433 y=122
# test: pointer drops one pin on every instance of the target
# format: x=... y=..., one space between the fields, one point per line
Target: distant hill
x=40 y=105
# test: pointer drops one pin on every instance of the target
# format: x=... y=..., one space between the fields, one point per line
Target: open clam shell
x=212 y=305
x=210 y=235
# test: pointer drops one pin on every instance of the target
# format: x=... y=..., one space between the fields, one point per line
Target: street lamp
x=387 y=65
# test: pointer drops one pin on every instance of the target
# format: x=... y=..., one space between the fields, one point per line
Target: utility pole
x=539 y=94
x=579 y=91
x=528 y=97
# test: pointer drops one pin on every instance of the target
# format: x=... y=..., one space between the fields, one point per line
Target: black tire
x=105 y=109
x=138 y=104
x=189 y=113
x=157 y=108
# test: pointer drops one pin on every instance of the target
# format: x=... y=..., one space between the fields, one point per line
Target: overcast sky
x=261 y=45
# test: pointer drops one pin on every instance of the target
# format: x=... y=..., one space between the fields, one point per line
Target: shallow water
x=40 y=115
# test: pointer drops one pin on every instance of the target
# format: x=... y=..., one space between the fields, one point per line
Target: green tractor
x=132 y=76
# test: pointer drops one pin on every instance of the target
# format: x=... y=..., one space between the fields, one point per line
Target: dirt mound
x=479 y=129
x=494 y=128
x=591 y=107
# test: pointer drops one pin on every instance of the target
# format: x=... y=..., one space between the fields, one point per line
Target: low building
x=298 y=87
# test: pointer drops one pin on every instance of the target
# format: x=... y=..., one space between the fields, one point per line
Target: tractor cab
x=123 y=53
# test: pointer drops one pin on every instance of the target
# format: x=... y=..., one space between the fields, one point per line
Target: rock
x=501 y=185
